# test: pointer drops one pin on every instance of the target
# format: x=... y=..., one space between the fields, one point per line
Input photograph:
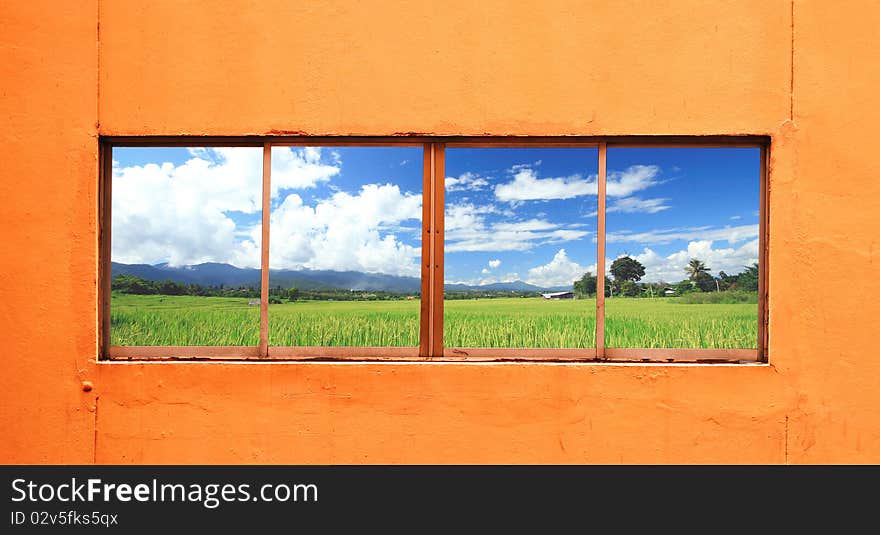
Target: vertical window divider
x=438 y=175
x=264 y=250
x=105 y=200
x=763 y=296
x=426 y=337
x=600 y=254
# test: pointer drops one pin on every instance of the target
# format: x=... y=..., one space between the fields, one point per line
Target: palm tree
x=695 y=267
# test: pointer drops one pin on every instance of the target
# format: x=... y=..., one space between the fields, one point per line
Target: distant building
x=255 y=303
x=669 y=291
x=558 y=295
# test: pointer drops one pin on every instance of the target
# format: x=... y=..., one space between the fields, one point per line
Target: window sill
x=450 y=355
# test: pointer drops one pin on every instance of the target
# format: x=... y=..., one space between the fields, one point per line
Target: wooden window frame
x=431 y=347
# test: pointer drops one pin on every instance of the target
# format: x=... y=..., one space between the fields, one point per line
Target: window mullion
x=762 y=259
x=264 y=251
x=439 y=185
x=426 y=310
x=106 y=204
x=600 y=255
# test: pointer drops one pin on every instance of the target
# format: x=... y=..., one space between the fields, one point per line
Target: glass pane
x=345 y=246
x=682 y=248
x=520 y=249
x=185 y=240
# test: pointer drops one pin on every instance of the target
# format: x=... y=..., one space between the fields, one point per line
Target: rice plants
x=502 y=322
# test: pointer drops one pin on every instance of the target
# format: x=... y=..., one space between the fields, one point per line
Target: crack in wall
x=95 y=438
x=786 y=439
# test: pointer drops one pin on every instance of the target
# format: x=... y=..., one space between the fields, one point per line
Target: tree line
x=132 y=284
x=626 y=272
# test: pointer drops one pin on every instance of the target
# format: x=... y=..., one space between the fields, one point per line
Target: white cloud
x=466 y=181
x=490 y=239
x=183 y=214
x=468 y=230
x=300 y=168
x=730 y=234
x=179 y=214
x=529 y=225
x=466 y=216
x=485 y=271
x=345 y=232
x=526 y=186
x=630 y=205
x=560 y=271
x=494 y=263
x=670 y=268
x=635 y=178
x=735 y=217
x=516 y=167
x=487 y=278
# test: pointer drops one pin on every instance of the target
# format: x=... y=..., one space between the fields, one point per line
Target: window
x=520 y=229
x=683 y=222
x=345 y=249
x=185 y=251
x=474 y=249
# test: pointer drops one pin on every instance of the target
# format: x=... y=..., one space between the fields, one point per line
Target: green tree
x=586 y=285
x=131 y=284
x=169 y=287
x=684 y=287
x=293 y=293
x=748 y=279
x=695 y=267
x=653 y=289
x=727 y=282
x=705 y=282
x=194 y=289
x=627 y=268
x=629 y=289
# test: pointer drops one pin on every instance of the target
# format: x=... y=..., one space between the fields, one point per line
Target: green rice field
x=501 y=322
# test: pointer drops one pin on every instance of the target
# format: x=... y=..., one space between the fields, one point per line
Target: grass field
x=153 y=320
x=516 y=322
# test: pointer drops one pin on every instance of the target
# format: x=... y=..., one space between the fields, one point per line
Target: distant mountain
x=515 y=286
x=207 y=274
x=215 y=274
x=346 y=280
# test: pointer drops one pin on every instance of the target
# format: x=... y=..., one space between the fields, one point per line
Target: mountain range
x=215 y=274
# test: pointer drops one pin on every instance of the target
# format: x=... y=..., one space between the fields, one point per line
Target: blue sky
x=706 y=205
x=511 y=214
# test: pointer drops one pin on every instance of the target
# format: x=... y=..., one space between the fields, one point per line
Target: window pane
x=520 y=231
x=185 y=240
x=682 y=248
x=345 y=246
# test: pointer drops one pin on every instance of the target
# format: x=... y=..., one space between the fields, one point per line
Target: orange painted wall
x=802 y=73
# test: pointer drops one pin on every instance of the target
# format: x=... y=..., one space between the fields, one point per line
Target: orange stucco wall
x=804 y=73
